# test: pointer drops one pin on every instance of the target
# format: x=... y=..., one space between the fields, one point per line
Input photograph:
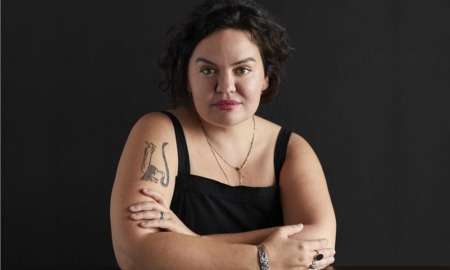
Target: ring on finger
x=162 y=214
x=318 y=256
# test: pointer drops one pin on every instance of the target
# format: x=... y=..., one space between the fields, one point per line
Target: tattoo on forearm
x=151 y=173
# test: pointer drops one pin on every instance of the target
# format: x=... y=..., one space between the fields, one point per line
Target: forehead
x=227 y=44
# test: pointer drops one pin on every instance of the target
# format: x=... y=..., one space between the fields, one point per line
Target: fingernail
x=146 y=190
x=143 y=223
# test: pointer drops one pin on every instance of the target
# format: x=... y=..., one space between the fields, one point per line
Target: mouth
x=226 y=105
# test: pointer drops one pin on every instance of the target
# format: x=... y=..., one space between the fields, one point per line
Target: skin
x=234 y=69
x=226 y=65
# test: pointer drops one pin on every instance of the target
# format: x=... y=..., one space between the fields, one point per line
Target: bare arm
x=304 y=193
x=168 y=250
x=305 y=200
x=136 y=248
x=304 y=196
x=148 y=161
x=147 y=214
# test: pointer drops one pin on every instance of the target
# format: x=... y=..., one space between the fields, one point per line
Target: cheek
x=202 y=88
x=253 y=87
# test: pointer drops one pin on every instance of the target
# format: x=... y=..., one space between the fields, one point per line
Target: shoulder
x=154 y=125
x=270 y=129
x=298 y=147
x=297 y=142
x=298 y=151
x=300 y=157
x=155 y=131
x=154 y=121
x=149 y=158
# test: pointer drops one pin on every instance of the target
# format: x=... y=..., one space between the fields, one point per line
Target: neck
x=238 y=135
x=235 y=166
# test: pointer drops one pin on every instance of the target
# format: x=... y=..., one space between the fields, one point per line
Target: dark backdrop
x=368 y=87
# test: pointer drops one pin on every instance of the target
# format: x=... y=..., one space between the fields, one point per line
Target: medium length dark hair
x=213 y=15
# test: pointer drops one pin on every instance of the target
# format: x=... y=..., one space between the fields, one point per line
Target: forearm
x=177 y=251
x=309 y=232
x=251 y=237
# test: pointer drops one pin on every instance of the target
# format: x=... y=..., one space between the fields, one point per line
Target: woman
x=208 y=184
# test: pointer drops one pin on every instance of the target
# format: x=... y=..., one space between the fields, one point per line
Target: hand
x=287 y=253
x=157 y=214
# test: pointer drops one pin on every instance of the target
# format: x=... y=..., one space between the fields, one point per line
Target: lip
x=226 y=104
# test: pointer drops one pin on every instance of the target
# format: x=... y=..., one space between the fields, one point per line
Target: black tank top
x=210 y=207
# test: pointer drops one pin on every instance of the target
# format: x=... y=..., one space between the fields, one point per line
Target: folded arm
x=148 y=216
x=304 y=196
x=148 y=162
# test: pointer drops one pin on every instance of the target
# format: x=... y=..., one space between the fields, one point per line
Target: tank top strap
x=182 y=150
x=280 y=151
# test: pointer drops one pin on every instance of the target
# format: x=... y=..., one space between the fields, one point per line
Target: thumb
x=291 y=229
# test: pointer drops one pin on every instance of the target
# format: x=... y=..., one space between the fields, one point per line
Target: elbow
x=136 y=252
x=125 y=264
x=328 y=229
x=124 y=260
x=126 y=248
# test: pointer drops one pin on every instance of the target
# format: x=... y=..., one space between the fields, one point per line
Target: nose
x=226 y=83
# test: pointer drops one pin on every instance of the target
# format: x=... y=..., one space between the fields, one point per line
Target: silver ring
x=313 y=265
x=162 y=215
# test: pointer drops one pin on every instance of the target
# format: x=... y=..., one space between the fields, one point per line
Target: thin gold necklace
x=214 y=151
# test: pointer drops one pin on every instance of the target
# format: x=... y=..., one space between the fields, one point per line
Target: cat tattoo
x=152 y=173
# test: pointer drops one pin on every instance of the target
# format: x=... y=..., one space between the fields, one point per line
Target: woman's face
x=226 y=77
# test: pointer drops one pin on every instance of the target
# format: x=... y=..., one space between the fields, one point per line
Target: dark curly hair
x=213 y=15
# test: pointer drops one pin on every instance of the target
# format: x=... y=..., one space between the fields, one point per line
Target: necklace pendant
x=214 y=152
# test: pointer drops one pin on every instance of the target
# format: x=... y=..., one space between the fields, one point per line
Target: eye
x=208 y=71
x=243 y=71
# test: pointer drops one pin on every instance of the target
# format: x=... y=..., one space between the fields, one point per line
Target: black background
x=368 y=87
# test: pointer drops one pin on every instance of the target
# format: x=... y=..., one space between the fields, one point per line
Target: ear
x=266 y=83
x=189 y=88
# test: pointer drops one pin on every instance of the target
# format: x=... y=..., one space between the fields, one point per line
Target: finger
x=149 y=215
x=142 y=206
x=313 y=245
x=290 y=230
x=148 y=206
x=159 y=223
x=324 y=263
x=156 y=196
x=327 y=253
x=327 y=259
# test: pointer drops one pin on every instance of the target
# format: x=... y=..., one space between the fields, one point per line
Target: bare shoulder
x=296 y=143
x=154 y=123
x=298 y=147
x=270 y=129
x=301 y=163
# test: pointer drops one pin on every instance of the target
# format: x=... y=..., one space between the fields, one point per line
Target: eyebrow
x=249 y=59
